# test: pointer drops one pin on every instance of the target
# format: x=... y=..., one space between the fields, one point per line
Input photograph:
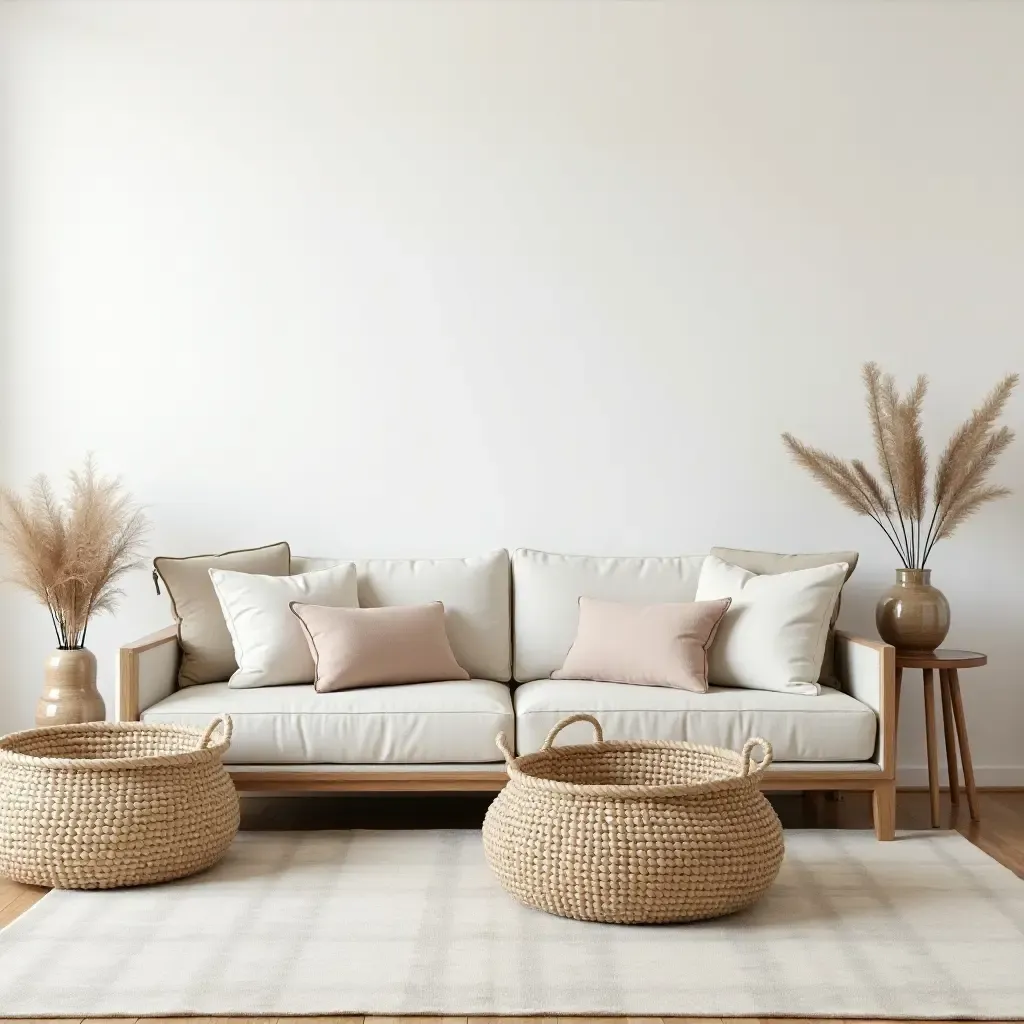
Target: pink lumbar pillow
x=644 y=644
x=354 y=647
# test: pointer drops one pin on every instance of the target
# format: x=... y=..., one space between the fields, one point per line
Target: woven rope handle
x=750 y=766
x=503 y=746
x=569 y=721
x=224 y=721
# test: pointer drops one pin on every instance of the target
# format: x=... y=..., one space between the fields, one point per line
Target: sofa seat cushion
x=831 y=726
x=413 y=723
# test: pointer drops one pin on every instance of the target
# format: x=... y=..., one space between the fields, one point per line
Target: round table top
x=942 y=658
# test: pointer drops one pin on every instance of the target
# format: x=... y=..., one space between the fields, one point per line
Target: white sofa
x=441 y=736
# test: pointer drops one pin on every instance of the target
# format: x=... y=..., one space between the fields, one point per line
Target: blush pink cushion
x=644 y=644
x=354 y=647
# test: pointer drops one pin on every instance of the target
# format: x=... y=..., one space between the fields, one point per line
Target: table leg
x=965 y=748
x=929 y=735
x=947 y=728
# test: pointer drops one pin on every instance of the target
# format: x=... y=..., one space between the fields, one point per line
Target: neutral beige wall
x=402 y=278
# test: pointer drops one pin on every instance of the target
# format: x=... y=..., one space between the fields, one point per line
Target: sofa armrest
x=147 y=672
x=867 y=670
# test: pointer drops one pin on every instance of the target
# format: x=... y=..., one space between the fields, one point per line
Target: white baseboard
x=916 y=775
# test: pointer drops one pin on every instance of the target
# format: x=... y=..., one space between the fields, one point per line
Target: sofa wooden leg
x=883 y=807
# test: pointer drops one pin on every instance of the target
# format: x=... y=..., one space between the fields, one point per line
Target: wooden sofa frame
x=879 y=779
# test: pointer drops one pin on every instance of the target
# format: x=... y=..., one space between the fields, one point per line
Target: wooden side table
x=948 y=663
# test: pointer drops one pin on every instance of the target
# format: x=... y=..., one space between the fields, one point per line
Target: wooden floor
x=1000 y=833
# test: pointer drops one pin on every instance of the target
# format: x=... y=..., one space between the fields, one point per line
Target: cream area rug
x=413 y=923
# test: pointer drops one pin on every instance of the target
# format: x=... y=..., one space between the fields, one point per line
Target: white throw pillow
x=270 y=646
x=773 y=635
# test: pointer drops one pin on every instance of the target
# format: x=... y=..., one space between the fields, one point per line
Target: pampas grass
x=72 y=555
x=898 y=500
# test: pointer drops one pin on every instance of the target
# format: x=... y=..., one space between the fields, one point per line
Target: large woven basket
x=634 y=832
x=102 y=805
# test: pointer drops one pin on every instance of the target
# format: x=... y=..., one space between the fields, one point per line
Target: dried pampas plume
x=898 y=501
x=72 y=555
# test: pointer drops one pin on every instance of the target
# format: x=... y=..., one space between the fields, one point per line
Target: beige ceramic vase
x=913 y=615
x=69 y=689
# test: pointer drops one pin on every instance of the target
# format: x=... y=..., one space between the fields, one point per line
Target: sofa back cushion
x=547 y=588
x=474 y=592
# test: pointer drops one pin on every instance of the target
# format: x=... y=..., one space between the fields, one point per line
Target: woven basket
x=634 y=832
x=102 y=805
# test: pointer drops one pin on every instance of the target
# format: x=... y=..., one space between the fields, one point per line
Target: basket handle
x=750 y=766
x=224 y=721
x=503 y=746
x=569 y=721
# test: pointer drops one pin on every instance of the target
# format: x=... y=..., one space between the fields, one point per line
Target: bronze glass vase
x=913 y=615
x=69 y=689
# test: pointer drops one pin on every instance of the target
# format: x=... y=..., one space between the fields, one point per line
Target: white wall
x=430 y=278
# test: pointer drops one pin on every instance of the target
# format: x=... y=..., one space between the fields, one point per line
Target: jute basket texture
x=103 y=805
x=634 y=832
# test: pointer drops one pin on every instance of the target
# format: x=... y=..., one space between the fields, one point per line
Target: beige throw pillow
x=356 y=647
x=768 y=563
x=644 y=644
x=207 y=655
